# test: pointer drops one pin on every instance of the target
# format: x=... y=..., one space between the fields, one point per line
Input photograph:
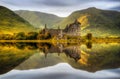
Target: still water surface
x=59 y=61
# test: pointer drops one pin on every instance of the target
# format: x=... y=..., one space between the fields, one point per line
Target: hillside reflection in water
x=89 y=57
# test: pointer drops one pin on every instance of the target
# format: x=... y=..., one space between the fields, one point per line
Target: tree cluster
x=19 y=36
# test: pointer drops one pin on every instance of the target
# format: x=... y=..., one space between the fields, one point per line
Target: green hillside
x=11 y=22
x=39 y=19
x=96 y=21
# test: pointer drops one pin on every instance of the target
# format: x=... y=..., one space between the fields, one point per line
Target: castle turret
x=58 y=27
x=77 y=22
x=45 y=26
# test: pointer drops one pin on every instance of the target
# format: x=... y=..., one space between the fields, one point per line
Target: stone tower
x=73 y=29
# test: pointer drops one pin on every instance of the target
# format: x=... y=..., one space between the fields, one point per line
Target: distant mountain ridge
x=39 y=19
x=12 y=23
x=95 y=21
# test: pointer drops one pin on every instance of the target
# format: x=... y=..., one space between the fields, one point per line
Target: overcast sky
x=60 y=7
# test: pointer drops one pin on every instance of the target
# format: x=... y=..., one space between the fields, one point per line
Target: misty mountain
x=39 y=19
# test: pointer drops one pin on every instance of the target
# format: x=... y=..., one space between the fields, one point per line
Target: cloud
x=58 y=3
x=116 y=8
x=53 y=3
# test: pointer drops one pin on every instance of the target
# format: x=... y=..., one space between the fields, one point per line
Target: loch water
x=59 y=61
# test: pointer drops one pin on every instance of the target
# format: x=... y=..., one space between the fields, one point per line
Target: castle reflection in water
x=72 y=51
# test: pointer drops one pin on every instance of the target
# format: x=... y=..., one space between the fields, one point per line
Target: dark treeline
x=33 y=45
x=20 y=45
x=19 y=36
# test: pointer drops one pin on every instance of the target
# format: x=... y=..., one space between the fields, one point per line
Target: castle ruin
x=71 y=30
